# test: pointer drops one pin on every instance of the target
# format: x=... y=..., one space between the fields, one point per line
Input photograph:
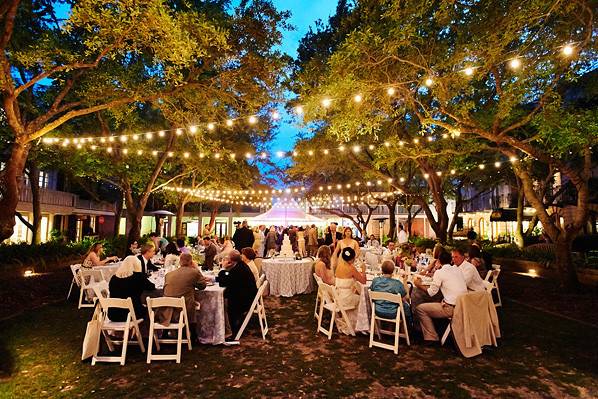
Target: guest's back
x=128 y=287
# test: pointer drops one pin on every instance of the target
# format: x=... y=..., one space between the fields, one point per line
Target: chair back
x=328 y=293
x=176 y=306
x=258 y=264
x=318 y=279
x=385 y=296
x=88 y=277
x=492 y=275
x=75 y=270
x=101 y=289
x=261 y=280
x=117 y=303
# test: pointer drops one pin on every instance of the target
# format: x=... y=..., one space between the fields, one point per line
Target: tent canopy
x=285 y=215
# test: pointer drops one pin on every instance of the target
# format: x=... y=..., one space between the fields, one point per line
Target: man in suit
x=240 y=289
x=210 y=252
x=312 y=240
x=332 y=236
x=147 y=253
x=182 y=282
x=243 y=237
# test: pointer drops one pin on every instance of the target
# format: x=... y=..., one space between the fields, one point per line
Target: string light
x=299 y=109
x=326 y=102
x=357 y=98
x=468 y=71
x=275 y=115
x=229 y=122
x=568 y=50
x=390 y=91
x=252 y=120
x=429 y=82
x=515 y=63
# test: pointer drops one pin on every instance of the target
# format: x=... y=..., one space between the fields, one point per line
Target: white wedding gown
x=349 y=300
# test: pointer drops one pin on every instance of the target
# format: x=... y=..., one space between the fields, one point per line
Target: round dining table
x=288 y=276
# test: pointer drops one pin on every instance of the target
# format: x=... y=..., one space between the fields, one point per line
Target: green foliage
x=422 y=242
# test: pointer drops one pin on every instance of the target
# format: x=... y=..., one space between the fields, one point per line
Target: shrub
x=422 y=242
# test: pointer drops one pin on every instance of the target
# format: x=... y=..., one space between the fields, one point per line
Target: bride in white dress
x=347 y=289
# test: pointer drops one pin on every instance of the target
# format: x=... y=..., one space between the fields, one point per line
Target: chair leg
x=405 y=327
x=372 y=328
x=123 y=354
x=331 y=324
x=108 y=341
x=81 y=297
x=70 y=289
x=320 y=315
x=152 y=336
x=446 y=334
x=139 y=337
x=179 y=344
x=499 y=303
x=188 y=332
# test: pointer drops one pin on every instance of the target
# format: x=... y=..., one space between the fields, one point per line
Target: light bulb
x=252 y=120
x=275 y=115
x=391 y=91
x=568 y=50
x=357 y=98
x=192 y=129
x=515 y=63
x=299 y=109
x=468 y=71
x=326 y=102
x=429 y=82
x=229 y=122
x=211 y=126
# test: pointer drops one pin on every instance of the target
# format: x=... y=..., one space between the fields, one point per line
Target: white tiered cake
x=286 y=250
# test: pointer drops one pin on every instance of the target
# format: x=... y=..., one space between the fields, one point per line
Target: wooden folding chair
x=330 y=303
x=183 y=322
x=128 y=327
x=399 y=321
x=257 y=307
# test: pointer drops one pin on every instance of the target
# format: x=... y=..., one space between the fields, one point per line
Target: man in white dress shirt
x=450 y=281
x=470 y=273
x=402 y=237
x=390 y=252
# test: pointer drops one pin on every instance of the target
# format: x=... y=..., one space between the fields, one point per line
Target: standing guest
x=402 y=236
x=92 y=257
x=293 y=239
x=247 y=256
x=129 y=282
x=258 y=240
x=323 y=266
x=171 y=255
x=312 y=240
x=180 y=243
x=471 y=235
x=160 y=243
x=133 y=248
x=147 y=253
x=183 y=282
x=243 y=236
x=240 y=289
x=332 y=236
x=450 y=281
x=271 y=239
x=472 y=277
x=346 y=241
x=386 y=283
x=206 y=231
x=301 y=241
x=210 y=251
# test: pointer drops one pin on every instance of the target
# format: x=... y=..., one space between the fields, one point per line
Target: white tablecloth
x=211 y=321
x=288 y=277
x=106 y=271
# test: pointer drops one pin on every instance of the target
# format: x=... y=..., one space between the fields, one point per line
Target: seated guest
x=435 y=264
x=183 y=282
x=474 y=256
x=346 y=277
x=390 y=252
x=247 y=256
x=323 y=266
x=450 y=281
x=92 y=257
x=372 y=242
x=133 y=249
x=129 y=282
x=180 y=243
x=240 y=288
x=171 y=255
x=210 y=252
x=385 y=283
x=227 y=248
x=472 y=277
x=147 y=253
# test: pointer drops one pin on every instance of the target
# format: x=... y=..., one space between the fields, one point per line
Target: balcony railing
x=62 y=198
x=93 y=205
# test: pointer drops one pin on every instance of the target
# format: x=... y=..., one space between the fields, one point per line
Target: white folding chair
x=101 y=289
x=492 y=283
x=75 y=280
x=261 y=280
x=183 y=322
x=87 y=280
x=372 y=260
x=318 y=296
x=399 y=321
x=128 y=327
x=257 y=307
x=330 y=302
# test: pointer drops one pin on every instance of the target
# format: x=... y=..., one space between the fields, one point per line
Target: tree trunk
x=392 y=219
x=213 y=214
x=180 y=211
x=10 y=184
x=134 y=217
x=36 y=203
x=118 y=210
x=564 y=262
x=519 y=235
x=458 y=210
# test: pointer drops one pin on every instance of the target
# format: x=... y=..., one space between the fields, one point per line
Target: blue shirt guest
x=386 y=283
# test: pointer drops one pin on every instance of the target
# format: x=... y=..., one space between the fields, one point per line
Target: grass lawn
x=540 y=355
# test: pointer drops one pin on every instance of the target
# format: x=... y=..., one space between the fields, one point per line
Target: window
x=43 y=179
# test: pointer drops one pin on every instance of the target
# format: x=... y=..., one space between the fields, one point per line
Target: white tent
x=286 y=215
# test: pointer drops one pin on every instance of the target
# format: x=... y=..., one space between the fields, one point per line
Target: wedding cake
x=286 y=250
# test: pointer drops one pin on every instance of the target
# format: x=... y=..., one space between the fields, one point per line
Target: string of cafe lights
x=513 y=63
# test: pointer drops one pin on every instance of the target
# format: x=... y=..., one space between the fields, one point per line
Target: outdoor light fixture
x=515 y=63
x=568 y=50
x=497 y=164
x=125 y=151
x=326 y=102
x=357 y=98
x=123 y=138
x=186 y=155
x=468 y=71
x=298 y=109
x=252 y=120
x=229 y=122
x=148 y=136
x=429 y=82
x=109 y=149
x=28 y=273
x=280 y=154
x=162 y=132
x=211 y=126
x=391 y=91
x=275 y=115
